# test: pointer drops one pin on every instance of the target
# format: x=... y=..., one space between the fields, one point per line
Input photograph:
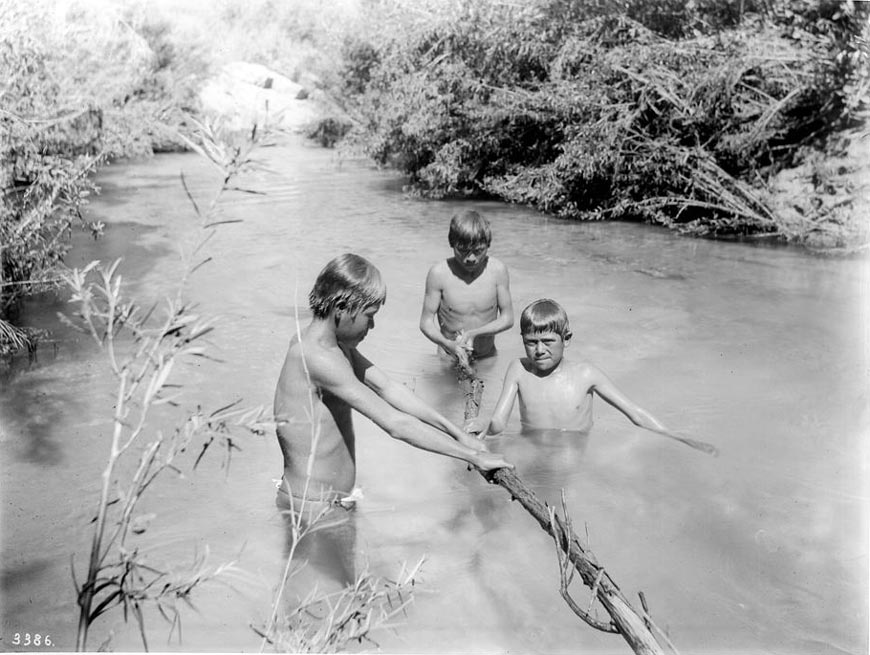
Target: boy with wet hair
x=348 y=283
x=467 y=299
x=555 y=393
x=324 y=377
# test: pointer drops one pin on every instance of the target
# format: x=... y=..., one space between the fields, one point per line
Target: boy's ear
x=567 y=337
x=337 y=312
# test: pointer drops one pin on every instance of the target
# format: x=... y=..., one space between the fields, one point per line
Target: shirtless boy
x=325 y=377
x=555 y=393
x=468 y=298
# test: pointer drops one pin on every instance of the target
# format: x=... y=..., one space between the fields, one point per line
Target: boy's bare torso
x=562 y=399
x=306 y=415
x=467 y=303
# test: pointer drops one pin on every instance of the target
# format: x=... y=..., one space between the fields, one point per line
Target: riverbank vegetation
x=732 y=118
x=142 y=348
x=83 y=85
x=678 y=113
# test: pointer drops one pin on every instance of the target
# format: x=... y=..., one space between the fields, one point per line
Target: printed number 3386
x=27 y=639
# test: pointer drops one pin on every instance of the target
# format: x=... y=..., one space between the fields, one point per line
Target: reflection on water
x=759 y=351
x=320 y=538
x=325 y=556
x=550 y=459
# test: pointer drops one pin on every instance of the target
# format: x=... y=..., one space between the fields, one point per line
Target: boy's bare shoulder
x=519 y=366
x=322 y=364
x=581 y=369
x=497 y=266
x=439 y=270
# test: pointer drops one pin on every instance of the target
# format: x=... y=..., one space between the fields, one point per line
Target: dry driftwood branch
x=566 y=575
x=624 y=617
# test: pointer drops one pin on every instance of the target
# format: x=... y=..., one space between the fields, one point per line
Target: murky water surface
x=761 y=351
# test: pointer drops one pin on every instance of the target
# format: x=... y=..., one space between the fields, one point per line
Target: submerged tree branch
x=624 y=617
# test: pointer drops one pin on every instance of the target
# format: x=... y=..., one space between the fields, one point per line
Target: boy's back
x=302 y=408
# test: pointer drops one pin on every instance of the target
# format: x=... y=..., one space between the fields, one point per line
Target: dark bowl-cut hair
x=545 y=315
x=349 y=282
x=469 y=228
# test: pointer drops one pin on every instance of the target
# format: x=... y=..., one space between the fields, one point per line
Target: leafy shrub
x=49 y=150
x=668 y=111
x=85 y=83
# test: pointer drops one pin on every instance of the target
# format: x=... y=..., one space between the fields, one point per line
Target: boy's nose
x=539 y=348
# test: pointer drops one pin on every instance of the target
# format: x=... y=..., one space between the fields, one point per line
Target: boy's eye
x=547 y=341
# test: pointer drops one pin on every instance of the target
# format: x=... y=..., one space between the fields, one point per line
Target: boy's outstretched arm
x=405 y=400
x=640 y=417
x=503 y=406
x=333 y=373
x=605 y=388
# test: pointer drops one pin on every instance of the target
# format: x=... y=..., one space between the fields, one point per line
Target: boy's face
x=471 y=257
x=353 y=328
x=544 y=350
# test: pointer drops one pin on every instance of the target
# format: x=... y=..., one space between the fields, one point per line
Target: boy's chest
x=558 y=394
x=479 y=294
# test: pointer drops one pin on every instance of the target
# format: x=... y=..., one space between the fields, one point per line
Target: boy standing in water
x=555 y=393
x=467 y=300
x=324 y=377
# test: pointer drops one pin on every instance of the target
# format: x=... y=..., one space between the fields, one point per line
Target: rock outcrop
x=244 y=93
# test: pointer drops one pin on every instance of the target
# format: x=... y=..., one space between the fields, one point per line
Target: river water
x=762 y=351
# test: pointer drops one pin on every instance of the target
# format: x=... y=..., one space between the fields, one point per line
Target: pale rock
x=244 y=93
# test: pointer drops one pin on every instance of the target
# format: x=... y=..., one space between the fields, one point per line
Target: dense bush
x=674 y=112
x=84 y=84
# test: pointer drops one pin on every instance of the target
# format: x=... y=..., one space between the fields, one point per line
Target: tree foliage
x=676 y=112
x=83 y=84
